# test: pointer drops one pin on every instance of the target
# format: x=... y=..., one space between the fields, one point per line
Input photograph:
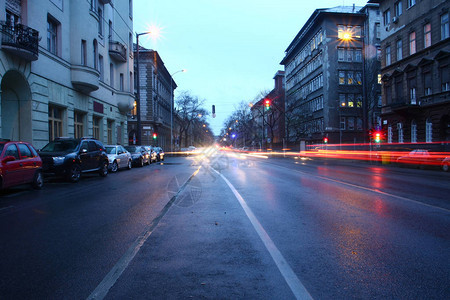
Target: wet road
x=257 y=228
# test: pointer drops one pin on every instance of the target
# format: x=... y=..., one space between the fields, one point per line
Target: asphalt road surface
x=231 y=226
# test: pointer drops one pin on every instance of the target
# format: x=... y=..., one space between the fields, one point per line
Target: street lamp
x=171 y=108
x=138 y=86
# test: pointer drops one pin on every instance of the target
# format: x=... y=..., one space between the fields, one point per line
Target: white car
x=118 y=157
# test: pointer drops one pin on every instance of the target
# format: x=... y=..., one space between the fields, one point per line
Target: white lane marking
x=111 y=278
x=297 y=288
x=365 y=188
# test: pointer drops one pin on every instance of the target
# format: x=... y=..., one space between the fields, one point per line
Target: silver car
x=118 y=157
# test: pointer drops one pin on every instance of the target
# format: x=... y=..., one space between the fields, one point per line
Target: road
x=231 y=226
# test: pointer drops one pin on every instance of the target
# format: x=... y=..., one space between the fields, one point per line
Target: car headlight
x=58 y=160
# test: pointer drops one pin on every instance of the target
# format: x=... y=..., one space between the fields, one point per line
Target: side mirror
x=83 y=150
x=9 y=158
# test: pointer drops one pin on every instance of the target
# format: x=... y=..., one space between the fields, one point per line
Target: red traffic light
x=267 y=103
x=155 y=135
x=325 y=140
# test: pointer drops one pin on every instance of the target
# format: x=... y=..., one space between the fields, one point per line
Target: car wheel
x=38 y=180
x=129 y=165
x=149 y=160
x=104 y=169
x=114 y=167
x=74 y=174
x=141 y=162
x=445 y=167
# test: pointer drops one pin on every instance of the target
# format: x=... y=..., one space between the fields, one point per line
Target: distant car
x=420 y=158
x=118 y=157
x=19 y=164
x=69 y=157
x=159 y=153
x=445 y=164
x=139 y=155
x=152 y=153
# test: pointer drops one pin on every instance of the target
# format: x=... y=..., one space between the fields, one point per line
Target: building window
x=111 y=75
x=427 y=83
x=342 y=123
x=388 y=55
x=411 y=3
x=377 y=31
x=380 y=101
x=52 y=34
x=413 y=132
x=55 y=116
x=358 y=78
x=78 y=125
x=398 y=8
x=83 y=53
x=412 y=43
x=445 y=79
x=130 y=41
x=100 y=68
x=341 y=31
x=351 y=123
x=358 y=55
x=389 y=134
x=399 y=50
x=110 y=30
x=96 y=121
x=398 y=89
x=350 y=79
x=95 y=44
x=400 y=132
x=341 y=54
x=412 y=95
x=350 y=102
x=358 y=100
x=379 y=78
x=130 y=8
x=427 y=35
x=428 y=131
x=359 y=124
x=110 y=132
x=94 y=4
x=131 y=82
x=444 y=26
x=387 y=17
x=100 y=19
x=342 y=100
x=122 y=87
x=341 y=77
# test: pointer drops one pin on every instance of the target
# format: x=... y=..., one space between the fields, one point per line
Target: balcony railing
x=117 y=51
x=20 y=40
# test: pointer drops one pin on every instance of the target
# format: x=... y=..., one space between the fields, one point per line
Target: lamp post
x=138 y=87
x=171 y=108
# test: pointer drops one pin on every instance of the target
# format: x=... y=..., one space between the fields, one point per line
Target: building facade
x=328 y=79
x=156 y=102
x=66 y=69
x=416 y=71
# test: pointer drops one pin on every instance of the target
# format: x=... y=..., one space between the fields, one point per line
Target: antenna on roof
x=353 y=8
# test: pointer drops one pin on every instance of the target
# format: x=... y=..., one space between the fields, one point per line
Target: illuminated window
x=379 y=78
x=341 y=77
x=341 y=30
x=428 y=131
x=358 y=78
x=350 y=102
x=413 y=132
x=412 y=43
x=359 y=100
x=350 y=79
x=342 y=100
x=427 y=35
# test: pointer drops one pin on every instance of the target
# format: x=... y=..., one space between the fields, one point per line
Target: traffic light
x=377 y=137
x=155 y=135
x=267 y=104
x=325 y=140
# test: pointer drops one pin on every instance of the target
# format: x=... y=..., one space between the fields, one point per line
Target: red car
x=19 y=164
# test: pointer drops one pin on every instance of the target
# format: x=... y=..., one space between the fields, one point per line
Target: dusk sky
x=231 y=49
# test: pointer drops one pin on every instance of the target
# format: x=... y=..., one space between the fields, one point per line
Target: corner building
x=332 y=76
x=66 y=69
x=416 y=72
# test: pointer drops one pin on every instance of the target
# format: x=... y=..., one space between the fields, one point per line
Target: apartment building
x=156 y=101
x=328 y=79
x=416 y=71
x=66 y=69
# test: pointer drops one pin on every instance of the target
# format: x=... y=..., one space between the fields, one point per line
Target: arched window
x=400 y=132
x=413 y=132
x=428 y=131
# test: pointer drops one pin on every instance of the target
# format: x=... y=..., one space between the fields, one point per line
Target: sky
x=231 y=49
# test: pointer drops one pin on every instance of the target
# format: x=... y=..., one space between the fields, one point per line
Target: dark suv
x=70 y=157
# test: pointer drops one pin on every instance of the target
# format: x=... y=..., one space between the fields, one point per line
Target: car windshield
x=132 y=149
x=110 y=150
x=61 y=146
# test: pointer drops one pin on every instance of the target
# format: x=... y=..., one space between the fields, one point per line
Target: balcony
x=20 y=40
x=85 y=79
x=117 y=51
x=125 y=102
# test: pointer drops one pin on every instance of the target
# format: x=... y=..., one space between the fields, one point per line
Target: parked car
x=139 y=155
x=152 y=153
x=118 y=157
x=19 y=164
x=159 y=153
x=69 y=157
x=421 y=158
x=445 y=164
